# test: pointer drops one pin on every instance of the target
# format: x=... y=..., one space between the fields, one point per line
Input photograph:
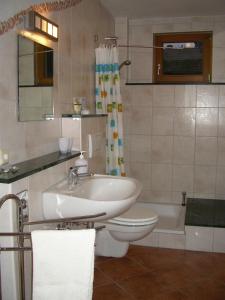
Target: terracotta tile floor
x=160 y=274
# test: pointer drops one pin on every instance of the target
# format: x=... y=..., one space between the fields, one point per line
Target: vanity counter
x=32 y=166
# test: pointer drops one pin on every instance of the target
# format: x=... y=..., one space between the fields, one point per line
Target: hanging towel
x=63 y=264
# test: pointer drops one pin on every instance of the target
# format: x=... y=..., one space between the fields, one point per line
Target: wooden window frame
x=159 y=39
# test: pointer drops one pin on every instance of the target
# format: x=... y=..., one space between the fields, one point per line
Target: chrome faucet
x=74 y=175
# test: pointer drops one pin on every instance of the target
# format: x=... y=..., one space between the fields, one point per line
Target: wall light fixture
x=39 y=24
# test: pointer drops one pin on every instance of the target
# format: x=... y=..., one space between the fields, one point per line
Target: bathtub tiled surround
x=198 y=226
x=207 y=239
x=174 y=134
x=174 y=140
x=205 y=225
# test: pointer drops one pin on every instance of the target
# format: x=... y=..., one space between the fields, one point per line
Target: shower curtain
x=108 y=101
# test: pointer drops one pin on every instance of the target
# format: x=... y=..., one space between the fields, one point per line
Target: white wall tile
x=219 y=240
x=199 y=238
x=171 y=240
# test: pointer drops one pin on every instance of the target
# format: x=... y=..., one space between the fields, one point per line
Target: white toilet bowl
x=131 y=226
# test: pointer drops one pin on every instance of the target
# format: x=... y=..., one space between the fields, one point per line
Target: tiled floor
x=160 y=274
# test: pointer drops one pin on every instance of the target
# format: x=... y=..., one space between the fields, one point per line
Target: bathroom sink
x=91 y=195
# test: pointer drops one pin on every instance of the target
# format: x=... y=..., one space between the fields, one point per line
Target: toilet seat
x=136 y=216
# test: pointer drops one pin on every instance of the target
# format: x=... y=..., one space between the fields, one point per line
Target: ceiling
x=164 y=8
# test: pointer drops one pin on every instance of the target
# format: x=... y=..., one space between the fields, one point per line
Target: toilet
x=133 y=225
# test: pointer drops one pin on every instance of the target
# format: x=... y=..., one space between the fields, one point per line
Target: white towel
x=63 y=264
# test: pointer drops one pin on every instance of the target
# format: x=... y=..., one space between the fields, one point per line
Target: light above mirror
x=37 y=23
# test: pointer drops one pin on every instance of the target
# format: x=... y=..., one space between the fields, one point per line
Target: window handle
x=158 y=69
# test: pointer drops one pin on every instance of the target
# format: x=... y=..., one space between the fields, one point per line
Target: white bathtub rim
x=180 y=229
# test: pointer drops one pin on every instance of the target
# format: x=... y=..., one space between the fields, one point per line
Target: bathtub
x=171 y=217
x=170 y=230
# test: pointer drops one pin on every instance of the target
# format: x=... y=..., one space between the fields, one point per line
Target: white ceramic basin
x=93 y=195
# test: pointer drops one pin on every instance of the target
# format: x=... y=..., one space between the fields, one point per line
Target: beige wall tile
x=162 y=121
x=185 y=96
x=221 y=151
x=161 y=196
x=140 y=148
x=144 y=59
x=207 y=96
x=218 y=72
x=220 y=177
x=177 y=197
x=170 y=240
x=141 y=35
x=206 y=121
x=162 y=149
x=199 y=238
x=161 y=28
x=204 y=195
x=163 y=95
x=206 y=150
x=183 y=178
x=221 y=96
x=140 y=120
x=219 y=240
x=184 y=121
x=202 y=23
x=139 y=96
x=221 y=129
x=183 y=150
x=142 y=172
x=205 y=179
x=146 y=195
x=218 y=34
x=161 y=177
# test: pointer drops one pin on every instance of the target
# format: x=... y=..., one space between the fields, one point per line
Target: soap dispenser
x=82 y=163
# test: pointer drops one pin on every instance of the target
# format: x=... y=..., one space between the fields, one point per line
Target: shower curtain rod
x=150 y=47
x=113 y=41
x=141 y=46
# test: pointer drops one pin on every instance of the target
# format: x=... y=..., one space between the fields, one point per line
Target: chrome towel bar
x=22 y=235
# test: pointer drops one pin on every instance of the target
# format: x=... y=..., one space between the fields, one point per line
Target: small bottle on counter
x=82 y=163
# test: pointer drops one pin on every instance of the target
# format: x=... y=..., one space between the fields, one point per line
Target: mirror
x=35 y=80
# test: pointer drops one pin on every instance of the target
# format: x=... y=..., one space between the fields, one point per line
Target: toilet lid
x=136 y=215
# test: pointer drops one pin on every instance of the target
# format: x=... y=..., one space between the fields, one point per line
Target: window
x=183 y=57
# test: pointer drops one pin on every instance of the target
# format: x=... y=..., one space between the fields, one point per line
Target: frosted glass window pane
x=179 y=59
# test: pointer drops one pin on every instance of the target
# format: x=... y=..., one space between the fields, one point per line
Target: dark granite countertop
x=205 y=212
x=83 y=116
x=175 y=83
x=32 y=166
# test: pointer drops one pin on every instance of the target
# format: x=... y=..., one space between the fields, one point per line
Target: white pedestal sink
x=91 y=195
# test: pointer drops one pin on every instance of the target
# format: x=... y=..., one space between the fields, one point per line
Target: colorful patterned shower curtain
x=108 y=101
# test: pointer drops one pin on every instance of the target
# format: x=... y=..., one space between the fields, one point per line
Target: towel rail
x=64 y=220
x=22 y=235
